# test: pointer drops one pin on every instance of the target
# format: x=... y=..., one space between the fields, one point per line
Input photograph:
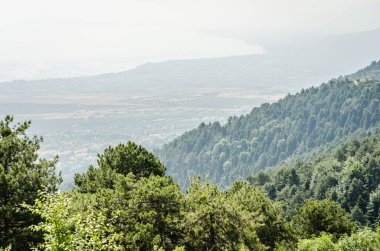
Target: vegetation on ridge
x=300 y=125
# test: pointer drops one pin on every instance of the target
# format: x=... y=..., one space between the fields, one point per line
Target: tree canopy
x=350 y=176
x=22 y=176
x=120 y=160
x=114 y=207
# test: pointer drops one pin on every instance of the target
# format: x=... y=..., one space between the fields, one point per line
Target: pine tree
x=22 y=175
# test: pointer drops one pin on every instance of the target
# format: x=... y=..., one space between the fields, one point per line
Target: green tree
x=353 y=181
x=131 y=158
x=315 y=217
x=374 y=206
x=122 y=159
x=73 y=221
x=152 y=216
x=215 y=222
x=146 y=206
x=364 y=239
x=273 y=227
x=322 y=243
x=22 y=175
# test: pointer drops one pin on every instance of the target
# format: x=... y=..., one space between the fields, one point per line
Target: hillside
x=300 y=125
x=349 y=175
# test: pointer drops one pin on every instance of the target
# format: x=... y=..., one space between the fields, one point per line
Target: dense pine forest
x=299 y=126
x=324 y=193
x=349 y=176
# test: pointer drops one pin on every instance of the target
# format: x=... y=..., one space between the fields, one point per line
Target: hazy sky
x=47 y=38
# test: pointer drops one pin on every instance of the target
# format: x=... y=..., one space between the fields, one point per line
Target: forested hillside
x=300 y=125
x=350 y=176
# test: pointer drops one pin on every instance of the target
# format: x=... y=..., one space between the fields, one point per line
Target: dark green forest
x=299 y=174
x=349 y=176
x=298 y=126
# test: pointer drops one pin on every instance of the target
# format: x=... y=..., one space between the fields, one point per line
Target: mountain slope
x=299 y=125
x=349 y=175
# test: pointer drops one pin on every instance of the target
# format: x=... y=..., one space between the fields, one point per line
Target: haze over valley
x=154 y=103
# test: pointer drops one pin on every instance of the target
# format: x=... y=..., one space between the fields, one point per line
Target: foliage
x=152 y=218
x=322 y=243
x=213 y=222
x=122 y=159
x=273 y=227
x=151 y=213
x=300 y=125
x=69 y=226
x=22 y=175
x=131 y=158
x=350 y=176
x=144 y=205
x=362 y=240
x=325 y=216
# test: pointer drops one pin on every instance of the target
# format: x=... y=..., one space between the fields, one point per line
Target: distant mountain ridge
x=308 y=122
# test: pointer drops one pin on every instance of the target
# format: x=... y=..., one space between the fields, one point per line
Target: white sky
x=48 y=38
